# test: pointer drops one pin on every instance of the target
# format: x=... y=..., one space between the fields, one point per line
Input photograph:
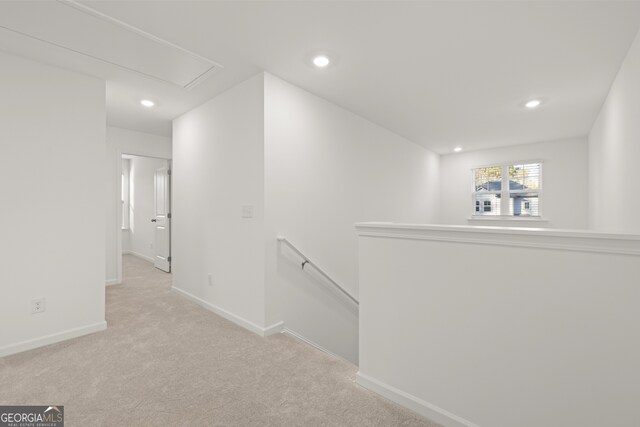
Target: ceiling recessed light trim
x=321 y=61
x=147 y=103
x=534 y=103
x=457 y=149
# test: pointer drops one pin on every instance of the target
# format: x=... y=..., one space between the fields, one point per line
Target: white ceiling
x=439 y=73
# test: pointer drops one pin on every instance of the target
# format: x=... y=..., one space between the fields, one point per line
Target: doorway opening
x=145 y=218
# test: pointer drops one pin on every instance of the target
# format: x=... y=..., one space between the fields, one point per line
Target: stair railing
x=317 y=268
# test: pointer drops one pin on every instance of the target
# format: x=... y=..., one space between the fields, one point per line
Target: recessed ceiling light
x=533 y=103
x=321 y=61
x=457 y=149
x=147 y=103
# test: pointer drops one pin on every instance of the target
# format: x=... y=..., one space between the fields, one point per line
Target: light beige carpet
x=166 y=361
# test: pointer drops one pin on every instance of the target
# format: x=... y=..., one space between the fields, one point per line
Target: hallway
x=166 y=361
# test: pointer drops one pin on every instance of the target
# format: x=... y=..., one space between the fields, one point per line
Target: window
x=511 y=190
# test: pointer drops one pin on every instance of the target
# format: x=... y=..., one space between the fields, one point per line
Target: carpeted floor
x=166 y=361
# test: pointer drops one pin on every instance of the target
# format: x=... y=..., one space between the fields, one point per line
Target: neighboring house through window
x=512 y=190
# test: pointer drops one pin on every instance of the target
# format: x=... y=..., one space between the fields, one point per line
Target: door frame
x=118 y=230
x=162 y=220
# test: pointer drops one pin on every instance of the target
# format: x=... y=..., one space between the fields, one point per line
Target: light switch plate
x=247 y=211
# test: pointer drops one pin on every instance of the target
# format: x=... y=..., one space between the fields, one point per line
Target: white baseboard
x=263 y=332
x=112 y=282
x=52 y=338
x=276 y=328
x=426 y=409
x=139 y=255
x=306 y=340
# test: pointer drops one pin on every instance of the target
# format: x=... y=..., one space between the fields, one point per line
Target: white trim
x=426 y=409
x=52 y=338
x=555 y=232
x=276 y=328
x=545 y=238
x=138 y=255
x=214 y=69
x=125 y=194
x=247 y=324
x=112 y=282
x=305 y=340
x=510 y=163
x=119 y=155
x=134 y=152
x=119 y=220
x=507 y=218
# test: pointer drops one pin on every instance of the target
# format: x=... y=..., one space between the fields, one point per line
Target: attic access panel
x=83 y=30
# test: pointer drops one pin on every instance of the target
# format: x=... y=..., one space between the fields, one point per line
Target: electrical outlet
x=209 y=280
x=37 y=305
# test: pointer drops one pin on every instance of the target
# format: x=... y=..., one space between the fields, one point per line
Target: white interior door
x=162 y=220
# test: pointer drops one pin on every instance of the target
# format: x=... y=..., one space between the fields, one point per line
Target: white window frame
x=505 y=194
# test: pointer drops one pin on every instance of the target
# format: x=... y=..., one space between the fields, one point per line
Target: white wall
x=520 y=330
x=614 y=152
x=564 y=181
x=218 y=167
x=128 y=142
x=142 y=205
x=310 y=170
x=52 y=128
x=325 y=169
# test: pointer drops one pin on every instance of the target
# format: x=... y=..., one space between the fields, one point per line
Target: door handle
x=154 y=220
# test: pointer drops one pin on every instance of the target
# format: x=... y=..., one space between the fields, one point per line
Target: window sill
x=507 y=218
